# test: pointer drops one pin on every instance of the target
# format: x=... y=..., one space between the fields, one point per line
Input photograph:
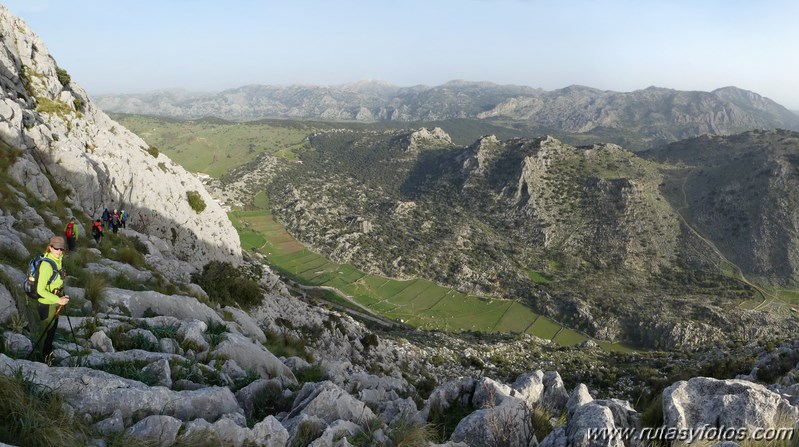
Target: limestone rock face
x=728 y=403
x=52 y=119
x=98 y=393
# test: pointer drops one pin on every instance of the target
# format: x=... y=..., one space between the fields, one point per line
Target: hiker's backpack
x=69 y=230
x=95 y=231
x=33 y=275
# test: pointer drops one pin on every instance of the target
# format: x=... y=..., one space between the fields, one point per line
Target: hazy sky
x=136 y=46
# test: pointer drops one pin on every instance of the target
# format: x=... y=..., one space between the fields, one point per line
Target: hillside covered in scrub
x=596 y=237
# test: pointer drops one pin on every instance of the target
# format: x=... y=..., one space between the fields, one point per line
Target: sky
x=140 y=46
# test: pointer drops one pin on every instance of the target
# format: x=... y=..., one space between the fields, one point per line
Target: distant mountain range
x=657 y=115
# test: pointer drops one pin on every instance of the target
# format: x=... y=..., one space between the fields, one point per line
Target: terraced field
x=417 y=302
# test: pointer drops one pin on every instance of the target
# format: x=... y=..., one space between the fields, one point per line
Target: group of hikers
x=45 y=280
x=113 y=220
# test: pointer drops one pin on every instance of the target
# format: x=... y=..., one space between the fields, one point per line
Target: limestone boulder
x=729 y=403
x=157 y=430
x=8 y=306
x=266 y=433
x=99 y=394
x=252 y=356
x=507 y=424
x=136 y=304
x=329 y=403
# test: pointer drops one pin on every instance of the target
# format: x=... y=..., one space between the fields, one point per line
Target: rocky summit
x=174 y=336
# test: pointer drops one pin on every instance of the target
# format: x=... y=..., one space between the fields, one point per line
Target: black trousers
x=47 y=315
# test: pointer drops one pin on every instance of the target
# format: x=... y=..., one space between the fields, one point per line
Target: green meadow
x=215 y=146
x=415 y=302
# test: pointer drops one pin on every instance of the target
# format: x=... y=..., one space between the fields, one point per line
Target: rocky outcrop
x=102 y=165
x=726 y=403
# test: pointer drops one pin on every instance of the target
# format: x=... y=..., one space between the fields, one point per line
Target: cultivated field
x=416 y=302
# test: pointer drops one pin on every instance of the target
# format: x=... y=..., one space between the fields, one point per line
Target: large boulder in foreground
x=100 y=394
x=730 y=403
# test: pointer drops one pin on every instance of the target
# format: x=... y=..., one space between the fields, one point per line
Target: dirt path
x=361 y=311
x=767 y=297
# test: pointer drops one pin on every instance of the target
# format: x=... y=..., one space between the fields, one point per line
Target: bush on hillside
x=63 y=77
x=195 y=201
x=228 y=285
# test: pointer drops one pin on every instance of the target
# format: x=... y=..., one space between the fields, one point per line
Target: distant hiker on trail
x=71 y=233
x=50 y=292
x=106 y=218
x=115 y=221
x=97 y=231
x=123 y=217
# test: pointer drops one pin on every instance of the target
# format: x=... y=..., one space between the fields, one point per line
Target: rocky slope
x=655 y=115
x=62 y=134
x=742 y=192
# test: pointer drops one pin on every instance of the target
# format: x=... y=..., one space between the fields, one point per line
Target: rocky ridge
x=61 y=133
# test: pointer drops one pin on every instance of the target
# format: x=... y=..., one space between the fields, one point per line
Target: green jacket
x=74 y=230
x=45 y=291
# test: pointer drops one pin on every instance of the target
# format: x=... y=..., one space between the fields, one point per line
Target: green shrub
x=200 y=438
x=311 y=374
x=369 y=341
x=653 y=414
x=195 y=201
x=777 y=367
x=242 y=382
x=406 y=433
x=227 y=286
x=215 y=333
x=129 y=255
x=268 y=402
x=152 y=150
x=138 y=341
x=284 y=345
x=539 y=419
x=306 y=433
x=130 y=370
x=140 y=246
x=445 y=420
x=164 y=331
x=194 y=372
x=63 y=76
x=33 y=415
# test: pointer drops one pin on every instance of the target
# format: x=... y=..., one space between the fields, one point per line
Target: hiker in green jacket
x=51 y=297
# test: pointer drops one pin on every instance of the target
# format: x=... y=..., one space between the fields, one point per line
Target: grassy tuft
x=94 y=289
x=32 y=415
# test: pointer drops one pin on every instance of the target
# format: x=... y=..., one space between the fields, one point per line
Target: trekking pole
x=46 y=329
x=74 y=339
